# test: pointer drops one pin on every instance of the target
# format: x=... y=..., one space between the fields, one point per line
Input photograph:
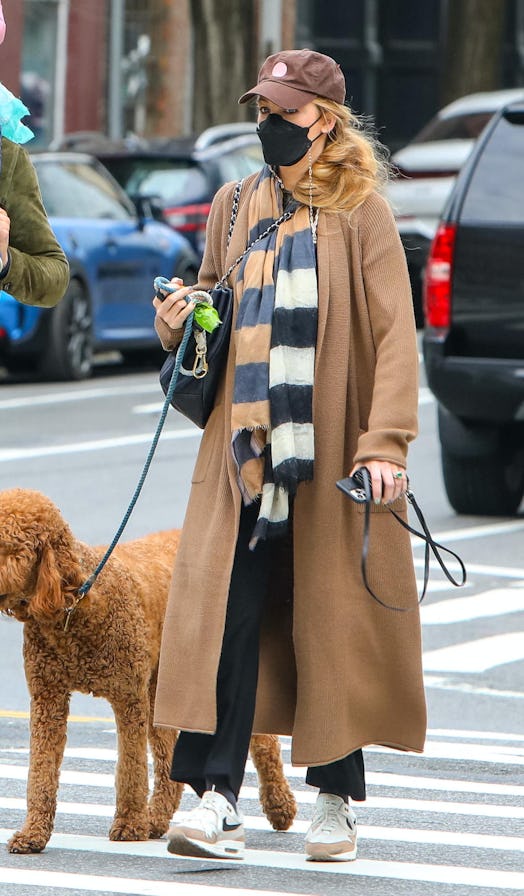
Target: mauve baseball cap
x=292 y=78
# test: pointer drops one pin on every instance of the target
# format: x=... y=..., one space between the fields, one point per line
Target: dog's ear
x=48 y=597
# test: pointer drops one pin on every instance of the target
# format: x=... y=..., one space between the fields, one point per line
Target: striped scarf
x=276 y=330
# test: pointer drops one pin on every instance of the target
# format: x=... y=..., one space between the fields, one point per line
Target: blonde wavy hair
x=352 y=165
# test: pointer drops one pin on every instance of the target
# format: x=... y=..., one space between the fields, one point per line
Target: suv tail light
x=188 y=218
x=437 y=279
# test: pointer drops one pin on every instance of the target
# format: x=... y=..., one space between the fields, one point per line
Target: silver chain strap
x=270 y=229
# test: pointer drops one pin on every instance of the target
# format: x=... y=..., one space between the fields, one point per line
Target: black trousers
x=201 y=760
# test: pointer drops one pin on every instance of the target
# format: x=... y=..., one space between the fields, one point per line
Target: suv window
x=240 y=163
x=496 y=190
x=175 y=181
x=79 y=190
x=458 y=127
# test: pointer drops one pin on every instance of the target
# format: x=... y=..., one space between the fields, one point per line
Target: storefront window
x=37 y=81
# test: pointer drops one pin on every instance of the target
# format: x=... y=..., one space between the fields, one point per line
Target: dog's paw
x=157 y=829
x=280 y=809
x=23 y=844
x=126 y=830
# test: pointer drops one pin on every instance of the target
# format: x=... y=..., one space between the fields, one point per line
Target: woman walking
x=269 y=626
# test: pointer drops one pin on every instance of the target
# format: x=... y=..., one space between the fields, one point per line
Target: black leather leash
x=361 y=493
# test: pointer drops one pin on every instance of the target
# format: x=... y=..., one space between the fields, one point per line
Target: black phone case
x=354 y=486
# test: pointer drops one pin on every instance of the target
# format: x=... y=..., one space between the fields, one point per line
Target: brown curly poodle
x=110 y=649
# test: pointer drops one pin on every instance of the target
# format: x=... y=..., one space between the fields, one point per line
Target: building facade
x=126 y=66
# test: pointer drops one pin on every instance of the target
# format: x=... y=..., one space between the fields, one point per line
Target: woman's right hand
x=174 y=309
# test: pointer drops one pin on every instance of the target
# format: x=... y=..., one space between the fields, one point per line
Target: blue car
x=115 y=249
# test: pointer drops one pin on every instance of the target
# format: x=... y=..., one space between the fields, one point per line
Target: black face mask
x=284 y=143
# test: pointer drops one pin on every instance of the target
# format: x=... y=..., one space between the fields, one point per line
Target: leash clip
x=200 y=366
x=69 y=612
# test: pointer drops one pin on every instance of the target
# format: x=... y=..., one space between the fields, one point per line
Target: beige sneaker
x=332 y=835
x=213 y=830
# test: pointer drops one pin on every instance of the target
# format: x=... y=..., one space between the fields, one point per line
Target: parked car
x=426 y=170
x=183 y=174
x=115 y=249
x=474 y=340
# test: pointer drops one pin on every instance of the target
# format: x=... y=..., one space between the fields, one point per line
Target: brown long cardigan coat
x=337 y=670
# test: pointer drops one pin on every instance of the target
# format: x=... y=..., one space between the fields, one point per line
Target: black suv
x=474 y=337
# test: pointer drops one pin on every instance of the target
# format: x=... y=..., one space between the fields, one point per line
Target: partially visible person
x=33 y=267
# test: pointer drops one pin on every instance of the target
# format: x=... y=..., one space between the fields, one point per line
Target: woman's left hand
x=386 y=482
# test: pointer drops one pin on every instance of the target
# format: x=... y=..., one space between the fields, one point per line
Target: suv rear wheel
x=490 y=485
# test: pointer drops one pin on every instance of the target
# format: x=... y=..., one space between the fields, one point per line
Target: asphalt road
x=449 y=822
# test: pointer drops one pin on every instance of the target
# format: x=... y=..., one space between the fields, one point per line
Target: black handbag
x=204 y=356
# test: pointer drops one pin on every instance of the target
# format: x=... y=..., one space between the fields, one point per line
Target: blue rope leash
x=160 y=283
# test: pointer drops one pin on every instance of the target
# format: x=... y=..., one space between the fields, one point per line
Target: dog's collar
x=80 y=594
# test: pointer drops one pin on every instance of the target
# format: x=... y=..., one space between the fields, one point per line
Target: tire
x=68 y=354
x=490 y=485
x=145 y=357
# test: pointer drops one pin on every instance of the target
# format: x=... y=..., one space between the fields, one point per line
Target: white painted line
x=78 y=394
x=154 y=408
x=18 y=773
x=299 y=827
x=476 y=656
x=425 y=396
x=260 y=823
x=469 y=532
x=443 y=874
x=504 y=572
x=17 y=454
x=463 y=687
x=497 y=602
x=497 y=754
x=60 y=880
x=475 y=735
x=378 y=779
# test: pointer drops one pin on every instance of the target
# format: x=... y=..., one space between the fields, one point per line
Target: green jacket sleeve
x=38 y=273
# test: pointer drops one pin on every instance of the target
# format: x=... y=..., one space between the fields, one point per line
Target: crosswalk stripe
x=412 y=871
x=372 y=802
x=497 y=602
x=299 y=826
x=378 y=779
x=480 y=655
x=93 y=882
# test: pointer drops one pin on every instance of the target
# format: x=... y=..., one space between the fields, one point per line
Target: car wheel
x=69 y=352
x=491 y=485
x=146 y=357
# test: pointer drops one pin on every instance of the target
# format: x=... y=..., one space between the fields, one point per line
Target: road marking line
x=474 y=735
x=102 y=780
x=476 y=656
x=77 y=394
x=495 y=753
x=16 y=454
x=463 y=687
x=94 y=882
x=497 y=602
x=474 y=532
x=443 y=874
x=299 y=827
x=378 y=779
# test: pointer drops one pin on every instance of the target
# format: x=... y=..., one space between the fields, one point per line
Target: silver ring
x=398 y=475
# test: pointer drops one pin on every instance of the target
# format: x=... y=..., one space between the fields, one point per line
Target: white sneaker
x=212 y=830
x=332 y=835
